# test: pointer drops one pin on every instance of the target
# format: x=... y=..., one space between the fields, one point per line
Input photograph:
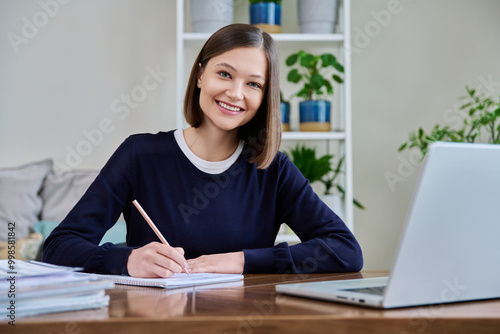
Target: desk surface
x=253 y=306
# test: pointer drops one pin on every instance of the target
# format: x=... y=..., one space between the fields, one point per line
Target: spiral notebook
x=179 y=280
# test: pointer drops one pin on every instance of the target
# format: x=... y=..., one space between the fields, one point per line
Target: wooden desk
x=255 y=307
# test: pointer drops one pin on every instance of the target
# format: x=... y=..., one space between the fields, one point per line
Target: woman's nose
x=235 y=92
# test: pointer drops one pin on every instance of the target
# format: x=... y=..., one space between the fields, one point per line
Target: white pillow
x=20 y=201
x=61 y=192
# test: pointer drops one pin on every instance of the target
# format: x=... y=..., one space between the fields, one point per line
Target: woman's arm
x=75 y=242
x=327 y=245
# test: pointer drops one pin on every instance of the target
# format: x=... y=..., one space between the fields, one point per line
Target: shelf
x=311 y=38
x=188 y=44
x=192 y=38
x=297 y=135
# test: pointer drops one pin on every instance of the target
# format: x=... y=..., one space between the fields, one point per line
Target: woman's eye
x=224 y=74
x=255 y=85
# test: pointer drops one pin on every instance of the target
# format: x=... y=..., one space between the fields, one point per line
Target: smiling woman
x=218 y=190
x=231 y=92
x=255 y=53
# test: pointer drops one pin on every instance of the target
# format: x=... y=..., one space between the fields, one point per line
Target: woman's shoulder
x=151 y=138
x=281 y=159
x=148 y=143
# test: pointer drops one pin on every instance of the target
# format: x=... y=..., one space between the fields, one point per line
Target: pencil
x=153 y=226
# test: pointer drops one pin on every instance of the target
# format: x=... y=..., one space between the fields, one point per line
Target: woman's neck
x=210 y=144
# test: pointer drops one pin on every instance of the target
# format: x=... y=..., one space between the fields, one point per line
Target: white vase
x=336 y=203
x=317 y=16
x=208 y=16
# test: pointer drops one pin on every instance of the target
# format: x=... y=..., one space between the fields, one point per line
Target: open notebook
x=179 y=280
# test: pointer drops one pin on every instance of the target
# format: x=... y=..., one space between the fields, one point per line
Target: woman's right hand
x=156 y=260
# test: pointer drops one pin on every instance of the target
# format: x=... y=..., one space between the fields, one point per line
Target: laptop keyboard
x=376 y=290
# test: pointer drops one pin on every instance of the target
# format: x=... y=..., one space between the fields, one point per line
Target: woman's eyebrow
x=224 y=64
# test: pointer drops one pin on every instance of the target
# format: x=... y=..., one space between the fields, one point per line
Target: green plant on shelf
x=314 y=72
x=483 y=114
x=319 y=169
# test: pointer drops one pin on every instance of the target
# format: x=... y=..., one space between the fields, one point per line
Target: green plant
x=253 y=2
x=483 y=114
x=318 y=169
x=312 y=168
x=313 y=71
x=329 y=182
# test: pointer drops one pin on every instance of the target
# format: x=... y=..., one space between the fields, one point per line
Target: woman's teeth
x=228 y=107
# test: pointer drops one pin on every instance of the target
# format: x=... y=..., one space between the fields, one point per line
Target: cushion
x=25 y=248
x=20 y=201
x=116 y=234
x=61 y=192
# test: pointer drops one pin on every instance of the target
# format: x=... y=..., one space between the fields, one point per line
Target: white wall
x=73 y=75
x=409 y=75
x=73 y=72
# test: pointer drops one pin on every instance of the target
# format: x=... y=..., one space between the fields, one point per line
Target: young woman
x=218 y=190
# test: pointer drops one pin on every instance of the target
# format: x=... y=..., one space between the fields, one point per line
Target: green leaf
x=497 y=112
x=471 y=92
x=337 y=78
x=338 y=67
x=327 y=59
x=317 y=81
x=304 y=92
x=292 y=59
x=294 y=76
x=328 y=85
x=308 y=60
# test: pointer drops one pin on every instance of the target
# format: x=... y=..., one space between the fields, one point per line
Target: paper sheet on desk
x=32 y=268
x=177 y=281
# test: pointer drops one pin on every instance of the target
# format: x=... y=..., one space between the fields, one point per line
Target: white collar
x=209 y=167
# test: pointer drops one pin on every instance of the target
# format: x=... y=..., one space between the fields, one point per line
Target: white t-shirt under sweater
x=209 y=167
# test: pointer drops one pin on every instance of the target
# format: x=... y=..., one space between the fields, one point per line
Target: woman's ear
x=199 y=75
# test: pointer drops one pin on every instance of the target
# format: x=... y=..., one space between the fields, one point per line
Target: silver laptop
x=449 y=250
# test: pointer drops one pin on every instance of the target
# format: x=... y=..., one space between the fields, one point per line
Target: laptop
x=449 y=249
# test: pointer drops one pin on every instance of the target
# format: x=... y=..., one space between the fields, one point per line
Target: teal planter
x=314 y=115
x=266 y=16
x=285 y=116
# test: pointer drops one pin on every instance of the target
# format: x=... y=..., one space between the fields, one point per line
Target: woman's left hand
x=224 y=263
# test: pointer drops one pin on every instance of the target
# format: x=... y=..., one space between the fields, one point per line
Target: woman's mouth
x=229 y=109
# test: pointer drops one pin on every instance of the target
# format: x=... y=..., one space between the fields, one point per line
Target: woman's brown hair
x=263 y=132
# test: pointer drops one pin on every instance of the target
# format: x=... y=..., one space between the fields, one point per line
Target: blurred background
x=68 y=81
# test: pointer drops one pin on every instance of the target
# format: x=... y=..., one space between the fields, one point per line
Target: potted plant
x=483 y=114
x=208 y=16
x=266 y=14
x=314 y=72
x=317 y=16
x=320 y=170
x=285 y=113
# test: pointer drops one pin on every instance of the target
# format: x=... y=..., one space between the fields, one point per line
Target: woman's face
x=232 y=87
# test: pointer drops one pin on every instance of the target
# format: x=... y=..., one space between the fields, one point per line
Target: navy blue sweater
x=240 y=209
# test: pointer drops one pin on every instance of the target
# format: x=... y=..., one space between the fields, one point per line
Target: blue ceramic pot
x=267 y=16
x=314 y=115
x=285 y=115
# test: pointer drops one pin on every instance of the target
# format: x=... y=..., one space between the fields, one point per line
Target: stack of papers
x=32 y=288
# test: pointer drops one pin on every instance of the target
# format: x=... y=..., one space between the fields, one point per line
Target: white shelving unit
x=186 y=40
